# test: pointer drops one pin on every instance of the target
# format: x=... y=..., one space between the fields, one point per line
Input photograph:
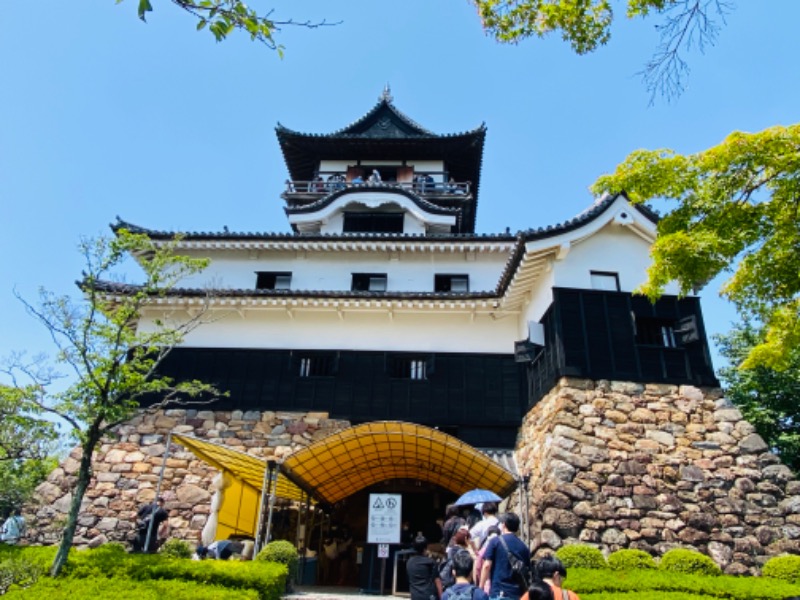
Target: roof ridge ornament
x=386 y=95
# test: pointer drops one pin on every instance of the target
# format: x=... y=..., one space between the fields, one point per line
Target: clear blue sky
x=103 y=115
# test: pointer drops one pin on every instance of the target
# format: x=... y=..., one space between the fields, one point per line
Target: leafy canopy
x=736 y=211
x=766 y=397
x=586 y=25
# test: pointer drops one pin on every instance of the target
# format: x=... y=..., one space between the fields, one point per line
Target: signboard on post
x=385 y=513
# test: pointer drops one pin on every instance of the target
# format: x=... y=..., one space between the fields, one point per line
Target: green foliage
x=688 y=561
x=282 y=552
x=103 y=561
x=24 y=434
x=175 y=548
x=19 y=573
x=735 y=211
x=657 y=584
x=766 y=397
x=223 y=17
x=103 y=587
x=786 y=568
x=112 y=361
x=19 y=478
x=581 y=556
x=631 y=560
x=586 y=25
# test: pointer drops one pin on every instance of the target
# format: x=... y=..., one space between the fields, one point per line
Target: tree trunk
x=84 y=476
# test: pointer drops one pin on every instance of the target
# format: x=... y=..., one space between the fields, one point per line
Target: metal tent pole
x=158 y=493
x=272 y=495
x=265 y=490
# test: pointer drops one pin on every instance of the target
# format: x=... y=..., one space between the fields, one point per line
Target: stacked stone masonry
x=655 y=467
x=612 y=464
x=126 y=471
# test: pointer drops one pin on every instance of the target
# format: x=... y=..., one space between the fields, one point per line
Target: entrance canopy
x=247 y=469
x=343 y=463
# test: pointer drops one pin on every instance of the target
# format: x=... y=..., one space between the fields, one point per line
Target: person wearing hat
x=152 y=512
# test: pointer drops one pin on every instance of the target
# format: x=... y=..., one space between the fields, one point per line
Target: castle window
x=604 y=280
x=451 y=283
x=655 y=332
x=273 y=280
x=316 y=364
x=369 y=282
x=373 y=222
x=405 y=366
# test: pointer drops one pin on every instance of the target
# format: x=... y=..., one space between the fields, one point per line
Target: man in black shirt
x=423 y=574
x=154 y=512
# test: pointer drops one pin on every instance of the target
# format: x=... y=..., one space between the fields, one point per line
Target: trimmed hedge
x=176 y=548
x=689 y=561
x=654 y=584
x=786 y=568
x=104 y=587
x=582 y=557
x=631 y=560
x=282 y=552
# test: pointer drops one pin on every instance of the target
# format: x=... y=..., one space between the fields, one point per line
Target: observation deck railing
x=318 y=189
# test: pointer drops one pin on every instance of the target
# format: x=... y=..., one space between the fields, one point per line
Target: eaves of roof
x=585 y=217
x=301 y=238
x=371 y=188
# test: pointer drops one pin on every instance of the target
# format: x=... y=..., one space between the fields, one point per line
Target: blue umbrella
x=476 y=497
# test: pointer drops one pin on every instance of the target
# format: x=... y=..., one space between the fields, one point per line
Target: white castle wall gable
x=329 y=218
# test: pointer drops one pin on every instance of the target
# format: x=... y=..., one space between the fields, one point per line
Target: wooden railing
x=323 y=187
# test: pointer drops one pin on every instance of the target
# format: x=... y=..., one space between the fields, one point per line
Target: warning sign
x=385 y=512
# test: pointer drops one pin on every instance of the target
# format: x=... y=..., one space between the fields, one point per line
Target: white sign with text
x=384 y=518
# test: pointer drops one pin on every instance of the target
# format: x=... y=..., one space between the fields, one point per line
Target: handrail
x=322 y=187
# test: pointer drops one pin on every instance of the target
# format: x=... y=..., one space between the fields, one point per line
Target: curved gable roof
x=343 y=463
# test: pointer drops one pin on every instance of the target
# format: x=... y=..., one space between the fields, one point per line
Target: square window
x=316 y=364
x=451 y=283
x=604 y=281
x=655 y=332
x=273 y=280
x=414 y=367
x=369 y=282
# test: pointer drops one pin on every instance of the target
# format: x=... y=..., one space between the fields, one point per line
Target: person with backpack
x=423 y=574
x=506 y=562
x=14 y=528
x=552 y=571
x=463 y=589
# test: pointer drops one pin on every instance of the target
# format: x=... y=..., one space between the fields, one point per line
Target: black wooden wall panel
x=480 y=397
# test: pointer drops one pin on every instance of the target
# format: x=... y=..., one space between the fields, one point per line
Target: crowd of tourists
x=484 y=559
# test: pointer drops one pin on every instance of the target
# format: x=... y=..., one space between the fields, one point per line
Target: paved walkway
x=330 y=593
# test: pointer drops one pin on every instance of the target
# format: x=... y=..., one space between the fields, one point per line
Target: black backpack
x=520 y=569
x=446 y=574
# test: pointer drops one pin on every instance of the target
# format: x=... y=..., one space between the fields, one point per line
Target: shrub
x=689 y=561
x=631 y=560
x=783 y=567
x=582 y=557
x=283 y=552
x=175 y=548
x=104 y=561
x=18 y=572
x=104 y=587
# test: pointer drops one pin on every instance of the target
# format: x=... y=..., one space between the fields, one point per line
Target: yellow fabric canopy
x=249 y=469
x=343 y=463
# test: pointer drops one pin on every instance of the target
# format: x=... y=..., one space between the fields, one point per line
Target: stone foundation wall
x=126 y=471
x=622 y=465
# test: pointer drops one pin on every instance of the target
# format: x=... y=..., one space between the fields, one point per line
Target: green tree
x=737 y=210
x=27 y=443
x=112 y=363
x=766 y=397
x=586 y=25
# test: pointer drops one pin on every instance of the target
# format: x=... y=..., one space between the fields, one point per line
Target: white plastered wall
x=357 y=329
